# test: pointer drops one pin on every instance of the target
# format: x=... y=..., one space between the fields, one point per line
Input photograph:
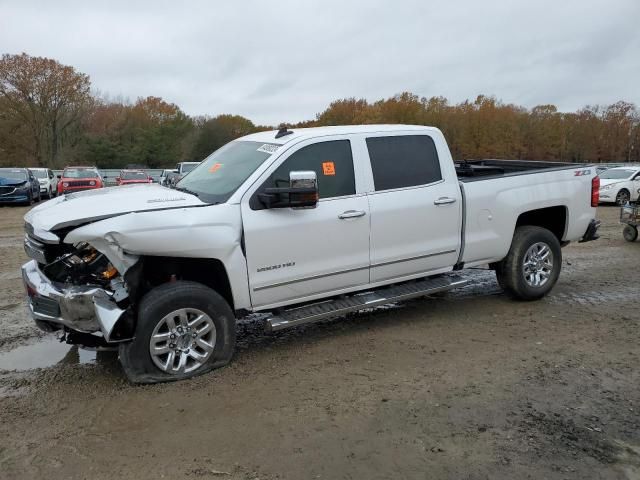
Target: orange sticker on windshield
x=215 y=167
x=328 y=168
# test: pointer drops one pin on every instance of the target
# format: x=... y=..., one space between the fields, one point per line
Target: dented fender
x=211 y=231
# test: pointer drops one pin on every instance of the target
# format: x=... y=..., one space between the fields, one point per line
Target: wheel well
x=553 y=219
x=207 y=271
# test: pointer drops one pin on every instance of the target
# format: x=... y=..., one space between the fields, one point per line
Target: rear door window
x=403 y=161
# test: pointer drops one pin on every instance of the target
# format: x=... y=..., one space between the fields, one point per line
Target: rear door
x=297 y=254
x=415 y=208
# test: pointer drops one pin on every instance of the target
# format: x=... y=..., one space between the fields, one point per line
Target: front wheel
x=533 y=264
x=184 y=329
x=630 y=233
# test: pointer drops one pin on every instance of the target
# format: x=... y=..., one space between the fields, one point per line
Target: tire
x=623 y=197
x=155 y=313
x=534 y=281
x=630 y=233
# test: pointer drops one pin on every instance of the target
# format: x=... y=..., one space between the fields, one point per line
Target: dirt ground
x=471 y=385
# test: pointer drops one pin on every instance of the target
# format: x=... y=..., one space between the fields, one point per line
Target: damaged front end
x=76 y=288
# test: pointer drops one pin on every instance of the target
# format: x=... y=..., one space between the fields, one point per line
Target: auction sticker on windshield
x=268 y=148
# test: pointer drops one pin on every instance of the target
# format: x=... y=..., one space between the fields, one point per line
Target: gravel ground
x=470 y=385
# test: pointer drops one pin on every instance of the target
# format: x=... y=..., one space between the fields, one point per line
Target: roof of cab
x=314 y=132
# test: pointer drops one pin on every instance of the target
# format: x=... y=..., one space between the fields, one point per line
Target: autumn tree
x=151 y=132
x=215 y=132
x=45 y=102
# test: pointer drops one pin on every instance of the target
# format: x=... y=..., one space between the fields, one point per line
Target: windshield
x=133 y=176
x=13 y=174
x=79 y=173
x=39 y=173
x=617 y=174
x=221 y=173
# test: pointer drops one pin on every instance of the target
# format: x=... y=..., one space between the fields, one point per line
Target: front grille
x=34 y=249
x=7 y=190
x=81 y=183
x=45 y=306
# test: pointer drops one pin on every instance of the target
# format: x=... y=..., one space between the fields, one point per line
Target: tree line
x=49 y=117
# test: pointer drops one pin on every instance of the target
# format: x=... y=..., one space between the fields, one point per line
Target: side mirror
x=59 y=176
x=302 y=192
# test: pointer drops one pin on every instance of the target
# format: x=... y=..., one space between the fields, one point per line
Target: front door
x=301 y=254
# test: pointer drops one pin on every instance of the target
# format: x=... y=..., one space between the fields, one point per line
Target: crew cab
x=128 y=177
x=303 y=225
x=620 y=185
x=76 y=179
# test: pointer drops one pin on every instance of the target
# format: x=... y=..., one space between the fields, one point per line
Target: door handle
x=444 y=201
x=351 y=214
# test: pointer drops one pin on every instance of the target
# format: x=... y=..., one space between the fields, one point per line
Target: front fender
x=213 y=231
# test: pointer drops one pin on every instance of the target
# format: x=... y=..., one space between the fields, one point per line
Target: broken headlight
x=83 y=266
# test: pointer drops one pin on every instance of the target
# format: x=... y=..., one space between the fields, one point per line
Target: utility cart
x=630 y=217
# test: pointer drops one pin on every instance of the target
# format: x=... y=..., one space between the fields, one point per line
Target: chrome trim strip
x=315 y=277
x=383 y=264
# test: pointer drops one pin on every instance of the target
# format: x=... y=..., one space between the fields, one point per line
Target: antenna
x=283 y=132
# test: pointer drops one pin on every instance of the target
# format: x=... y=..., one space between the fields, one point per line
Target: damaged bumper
x=84 y=309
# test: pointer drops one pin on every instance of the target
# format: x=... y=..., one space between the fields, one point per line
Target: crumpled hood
x=92 y=205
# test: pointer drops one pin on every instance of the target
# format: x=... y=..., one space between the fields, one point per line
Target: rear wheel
x=533 y=264
x=630 y=233
x=623 y=196
x=184 y=329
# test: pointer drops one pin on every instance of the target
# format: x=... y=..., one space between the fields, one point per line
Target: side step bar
x=341 y=306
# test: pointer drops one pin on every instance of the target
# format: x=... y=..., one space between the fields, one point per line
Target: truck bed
x=474 y=170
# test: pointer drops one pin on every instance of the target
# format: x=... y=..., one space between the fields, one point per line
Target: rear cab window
x=403 y=161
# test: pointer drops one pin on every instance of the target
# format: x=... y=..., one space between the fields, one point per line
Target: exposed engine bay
x=84 y=265
x=76 y=289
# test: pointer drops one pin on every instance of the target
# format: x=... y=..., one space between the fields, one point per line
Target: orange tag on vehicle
x=328 y=168
x=215 y=167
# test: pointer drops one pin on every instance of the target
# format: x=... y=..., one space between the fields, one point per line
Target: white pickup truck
x=303 y=225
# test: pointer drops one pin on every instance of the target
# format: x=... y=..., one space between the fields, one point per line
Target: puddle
x=49 y=352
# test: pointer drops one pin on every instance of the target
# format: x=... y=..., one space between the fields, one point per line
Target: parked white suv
x=303 y=225
x=48 y=181
x=620 y=185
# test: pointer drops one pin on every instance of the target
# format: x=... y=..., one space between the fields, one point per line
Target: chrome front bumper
x=81 y=308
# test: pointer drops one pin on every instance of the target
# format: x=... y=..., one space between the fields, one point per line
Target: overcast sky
x=284 y=61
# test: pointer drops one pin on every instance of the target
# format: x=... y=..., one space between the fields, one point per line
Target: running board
x=343 y=305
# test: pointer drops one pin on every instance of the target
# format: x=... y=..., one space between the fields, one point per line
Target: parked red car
x=128 y=177
x=76 y=179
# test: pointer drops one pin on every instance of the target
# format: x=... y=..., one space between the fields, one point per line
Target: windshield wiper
x=186 y=190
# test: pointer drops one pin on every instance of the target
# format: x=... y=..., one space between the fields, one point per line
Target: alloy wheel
x=538 y=264
x=182 y=341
